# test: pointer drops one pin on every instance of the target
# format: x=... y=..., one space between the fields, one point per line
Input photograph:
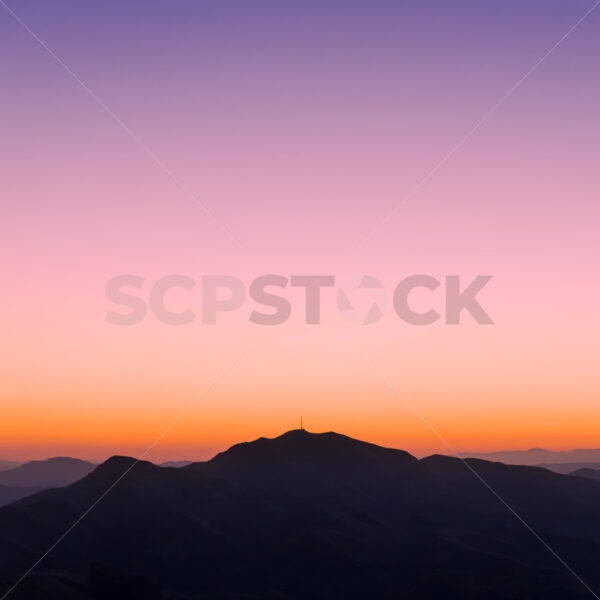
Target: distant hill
x=538 y=456
x=177 y=464
x=5 y=465
x=568 y=468
x=306 y=516
x=11 y=494
x=54 y=472
x=589 y=473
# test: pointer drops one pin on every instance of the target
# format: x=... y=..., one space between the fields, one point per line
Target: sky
x=312 y=138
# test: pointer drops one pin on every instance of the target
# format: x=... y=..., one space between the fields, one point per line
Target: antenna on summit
x=301 y=424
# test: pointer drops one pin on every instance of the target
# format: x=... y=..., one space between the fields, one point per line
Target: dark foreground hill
x=310 y=516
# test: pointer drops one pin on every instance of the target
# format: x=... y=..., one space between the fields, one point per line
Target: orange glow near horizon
x=98 y=431
x=102 y=390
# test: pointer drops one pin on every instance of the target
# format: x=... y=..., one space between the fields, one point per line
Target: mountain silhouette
x=307 y=464
x=538 y=456
x=306 y=515
x=31 y=477
x=5 y=465
x=53 y=472
x=568 y=468
x=589 y=473
x=11 y=494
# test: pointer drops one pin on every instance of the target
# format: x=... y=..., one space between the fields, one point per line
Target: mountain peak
x=64 y=460
x=307 y=436
x=118 y=461
x=116 y=466
x=300 y=442
x=299 y=457
x=295 y=432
